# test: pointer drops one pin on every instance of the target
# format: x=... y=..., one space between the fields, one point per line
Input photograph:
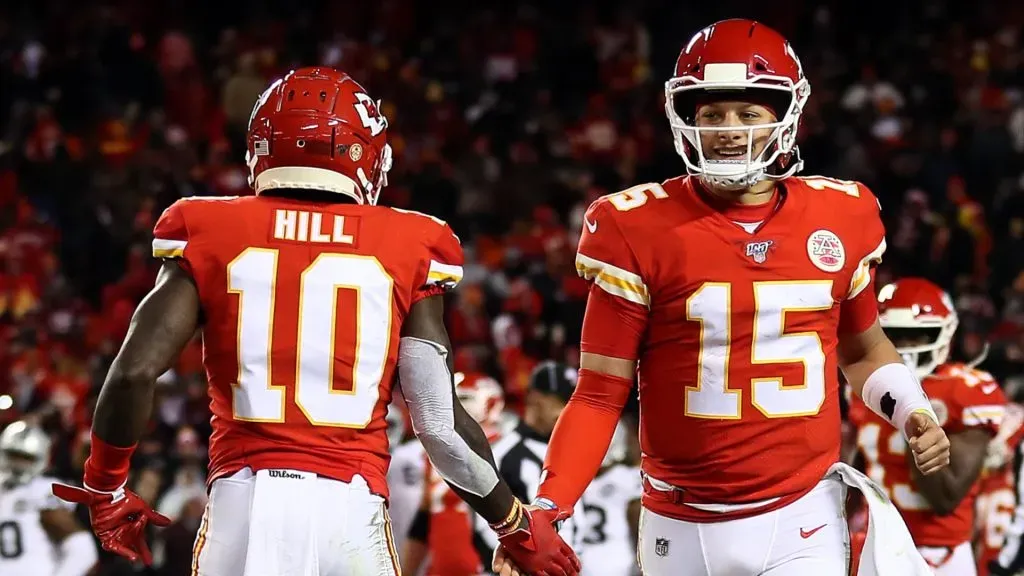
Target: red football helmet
x=920 y=319
x=746 y=61
x=483 y=398
x=317 y=129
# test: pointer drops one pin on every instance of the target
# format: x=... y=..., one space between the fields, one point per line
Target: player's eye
x=750 y=115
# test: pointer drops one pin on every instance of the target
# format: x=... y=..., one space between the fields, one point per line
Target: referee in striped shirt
x=519 y=454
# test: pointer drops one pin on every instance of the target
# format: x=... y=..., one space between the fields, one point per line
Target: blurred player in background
x=939 y=509
x=996 y=501
x=39 y=534
x=310 y=298
x=612 y=507
x=999 y=525
x=441 y=535
x=736 y=293
x=405 y=473
x=519 y=454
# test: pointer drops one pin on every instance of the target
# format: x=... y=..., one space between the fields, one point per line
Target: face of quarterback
x=731 y=145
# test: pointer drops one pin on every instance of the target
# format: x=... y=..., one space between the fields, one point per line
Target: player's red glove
x=535 y=546
x=118 y=519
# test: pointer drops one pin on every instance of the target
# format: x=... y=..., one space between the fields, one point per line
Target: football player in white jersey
x=405 y=475
x=38 y=532
x=612 y=507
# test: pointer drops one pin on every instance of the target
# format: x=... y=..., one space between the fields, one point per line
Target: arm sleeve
x=581 y=437
x=442 y=267
x=426 y=385
x=171 y=237
x=613 y=325
x=619 y=299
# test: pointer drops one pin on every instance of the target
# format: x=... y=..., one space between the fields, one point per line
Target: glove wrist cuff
x=114 y=492
x=106 y=469
x=545 y=504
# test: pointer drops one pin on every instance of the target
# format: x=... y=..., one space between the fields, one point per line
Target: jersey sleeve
x=619 y=299
x=859 y=309
x=871 y=247
x=171 y=237
x=975 y=402
x=442 y=269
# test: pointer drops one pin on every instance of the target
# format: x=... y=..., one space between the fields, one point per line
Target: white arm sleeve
x=426 y=385
x=77 y=554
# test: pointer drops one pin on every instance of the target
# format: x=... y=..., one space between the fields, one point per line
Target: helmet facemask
x=923 y=348
x=778 y=159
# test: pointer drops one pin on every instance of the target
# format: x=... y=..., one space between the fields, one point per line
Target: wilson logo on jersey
x=758 y=251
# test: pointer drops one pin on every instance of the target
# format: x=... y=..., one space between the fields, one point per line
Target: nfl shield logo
x=758 y=251
x=661 y=546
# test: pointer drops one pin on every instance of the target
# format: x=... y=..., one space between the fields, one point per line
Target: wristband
x=894 y=393
x=511 y=521
x=106 y=469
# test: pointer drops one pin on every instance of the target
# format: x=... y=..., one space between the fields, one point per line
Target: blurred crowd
x=507 y=120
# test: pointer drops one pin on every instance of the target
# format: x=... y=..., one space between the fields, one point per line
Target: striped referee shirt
x=519 y=456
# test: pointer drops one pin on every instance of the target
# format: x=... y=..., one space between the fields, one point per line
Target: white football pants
x=278 y=522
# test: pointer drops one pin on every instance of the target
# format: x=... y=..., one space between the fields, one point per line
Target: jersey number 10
x=255 y=398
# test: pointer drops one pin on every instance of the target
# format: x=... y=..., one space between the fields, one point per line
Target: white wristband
x=894 y=393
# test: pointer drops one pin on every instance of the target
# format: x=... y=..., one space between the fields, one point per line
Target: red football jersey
x=303 y=304
x=962 y=398
x=736 y=326
x=450 y=539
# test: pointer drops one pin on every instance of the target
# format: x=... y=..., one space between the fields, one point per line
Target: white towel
x=889 y=550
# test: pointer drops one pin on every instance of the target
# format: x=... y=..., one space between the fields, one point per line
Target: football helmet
x=482 y=397
x=24 y=453
x=920 y=319
x=318 y=129
x=738 y=60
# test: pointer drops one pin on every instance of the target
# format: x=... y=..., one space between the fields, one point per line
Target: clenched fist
x=928 y=443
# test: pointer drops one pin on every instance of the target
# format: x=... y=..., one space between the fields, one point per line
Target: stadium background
x=507 y=119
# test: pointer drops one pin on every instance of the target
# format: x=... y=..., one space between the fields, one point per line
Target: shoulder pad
x=631 y=198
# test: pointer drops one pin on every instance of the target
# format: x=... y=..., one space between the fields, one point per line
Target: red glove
x=118 y=518
x=535 y=546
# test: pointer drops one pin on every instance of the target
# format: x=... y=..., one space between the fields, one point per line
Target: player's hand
x=534 y=547
x=928 y=443
x=118 y=519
